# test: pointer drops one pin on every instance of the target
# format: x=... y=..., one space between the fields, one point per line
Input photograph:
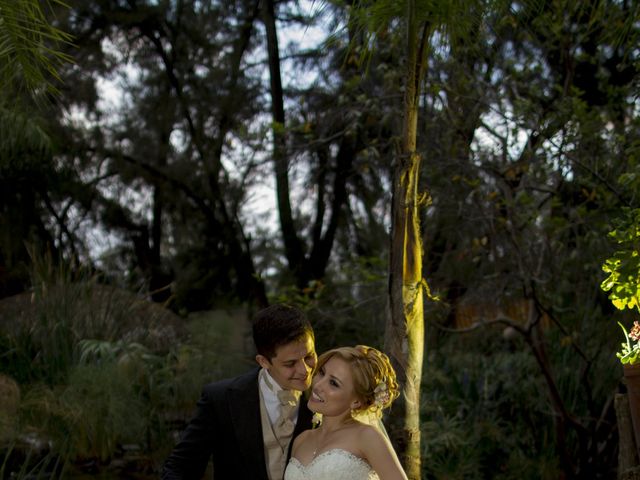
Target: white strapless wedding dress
x=334 y=464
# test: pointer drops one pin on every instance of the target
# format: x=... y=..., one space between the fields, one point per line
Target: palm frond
x=446 y=21
x=29 y=53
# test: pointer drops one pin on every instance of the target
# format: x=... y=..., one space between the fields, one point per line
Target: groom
x=247 y=423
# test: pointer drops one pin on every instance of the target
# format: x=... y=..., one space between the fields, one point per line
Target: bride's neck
x=331 y=424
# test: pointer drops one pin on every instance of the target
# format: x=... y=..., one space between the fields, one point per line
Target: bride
x=351 y=385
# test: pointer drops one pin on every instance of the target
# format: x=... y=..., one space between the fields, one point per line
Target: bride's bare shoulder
x=361 y=432
x=362 y=428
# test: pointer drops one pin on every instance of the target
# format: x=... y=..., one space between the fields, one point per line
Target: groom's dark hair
x=277 y=325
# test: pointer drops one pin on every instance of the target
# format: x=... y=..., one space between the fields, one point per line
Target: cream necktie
x=284 y=425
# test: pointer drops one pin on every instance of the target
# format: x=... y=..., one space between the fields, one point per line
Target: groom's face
x=293 y=364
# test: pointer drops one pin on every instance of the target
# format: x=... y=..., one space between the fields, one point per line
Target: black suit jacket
x=227 y=425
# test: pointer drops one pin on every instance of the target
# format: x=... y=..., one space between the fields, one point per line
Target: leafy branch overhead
x=28 y=46
x=453 y=20
x=623 y=266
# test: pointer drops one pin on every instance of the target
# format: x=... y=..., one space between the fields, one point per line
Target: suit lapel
x=304 y=416
x=304 y=420
x=244 y=405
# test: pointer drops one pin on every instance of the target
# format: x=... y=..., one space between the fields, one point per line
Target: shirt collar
x=271 y=387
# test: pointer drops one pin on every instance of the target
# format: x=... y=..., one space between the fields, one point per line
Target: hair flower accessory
x=381 y=395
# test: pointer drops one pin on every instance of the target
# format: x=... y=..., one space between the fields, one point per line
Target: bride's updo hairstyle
x=373 y=376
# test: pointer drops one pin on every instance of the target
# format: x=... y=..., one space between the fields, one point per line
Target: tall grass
x=67 y=304
x=96 y=376
x=91 y=414
x=32 y=466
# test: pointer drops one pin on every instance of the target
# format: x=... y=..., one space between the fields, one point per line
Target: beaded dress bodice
x=334 y=464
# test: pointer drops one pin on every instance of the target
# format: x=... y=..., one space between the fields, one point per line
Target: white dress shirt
x=269 y=389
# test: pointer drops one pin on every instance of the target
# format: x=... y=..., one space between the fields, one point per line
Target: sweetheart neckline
x=342 y=450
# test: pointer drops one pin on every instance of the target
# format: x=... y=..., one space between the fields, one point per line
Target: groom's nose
x=302 y=369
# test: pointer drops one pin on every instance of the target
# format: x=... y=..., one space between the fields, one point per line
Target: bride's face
x=332 y=390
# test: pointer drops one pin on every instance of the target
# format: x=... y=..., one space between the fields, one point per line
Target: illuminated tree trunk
x=405 y=327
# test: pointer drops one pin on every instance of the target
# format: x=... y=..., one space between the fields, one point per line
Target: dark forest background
x=192 y=169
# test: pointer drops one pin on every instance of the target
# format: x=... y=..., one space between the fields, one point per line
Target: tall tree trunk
x=292 y=243
x=306 y=262
x=405 y=328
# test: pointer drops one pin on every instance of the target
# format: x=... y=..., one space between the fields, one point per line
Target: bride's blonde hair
x=374 y=380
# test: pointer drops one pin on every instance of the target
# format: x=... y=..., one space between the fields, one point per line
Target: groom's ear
x=263 y=361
